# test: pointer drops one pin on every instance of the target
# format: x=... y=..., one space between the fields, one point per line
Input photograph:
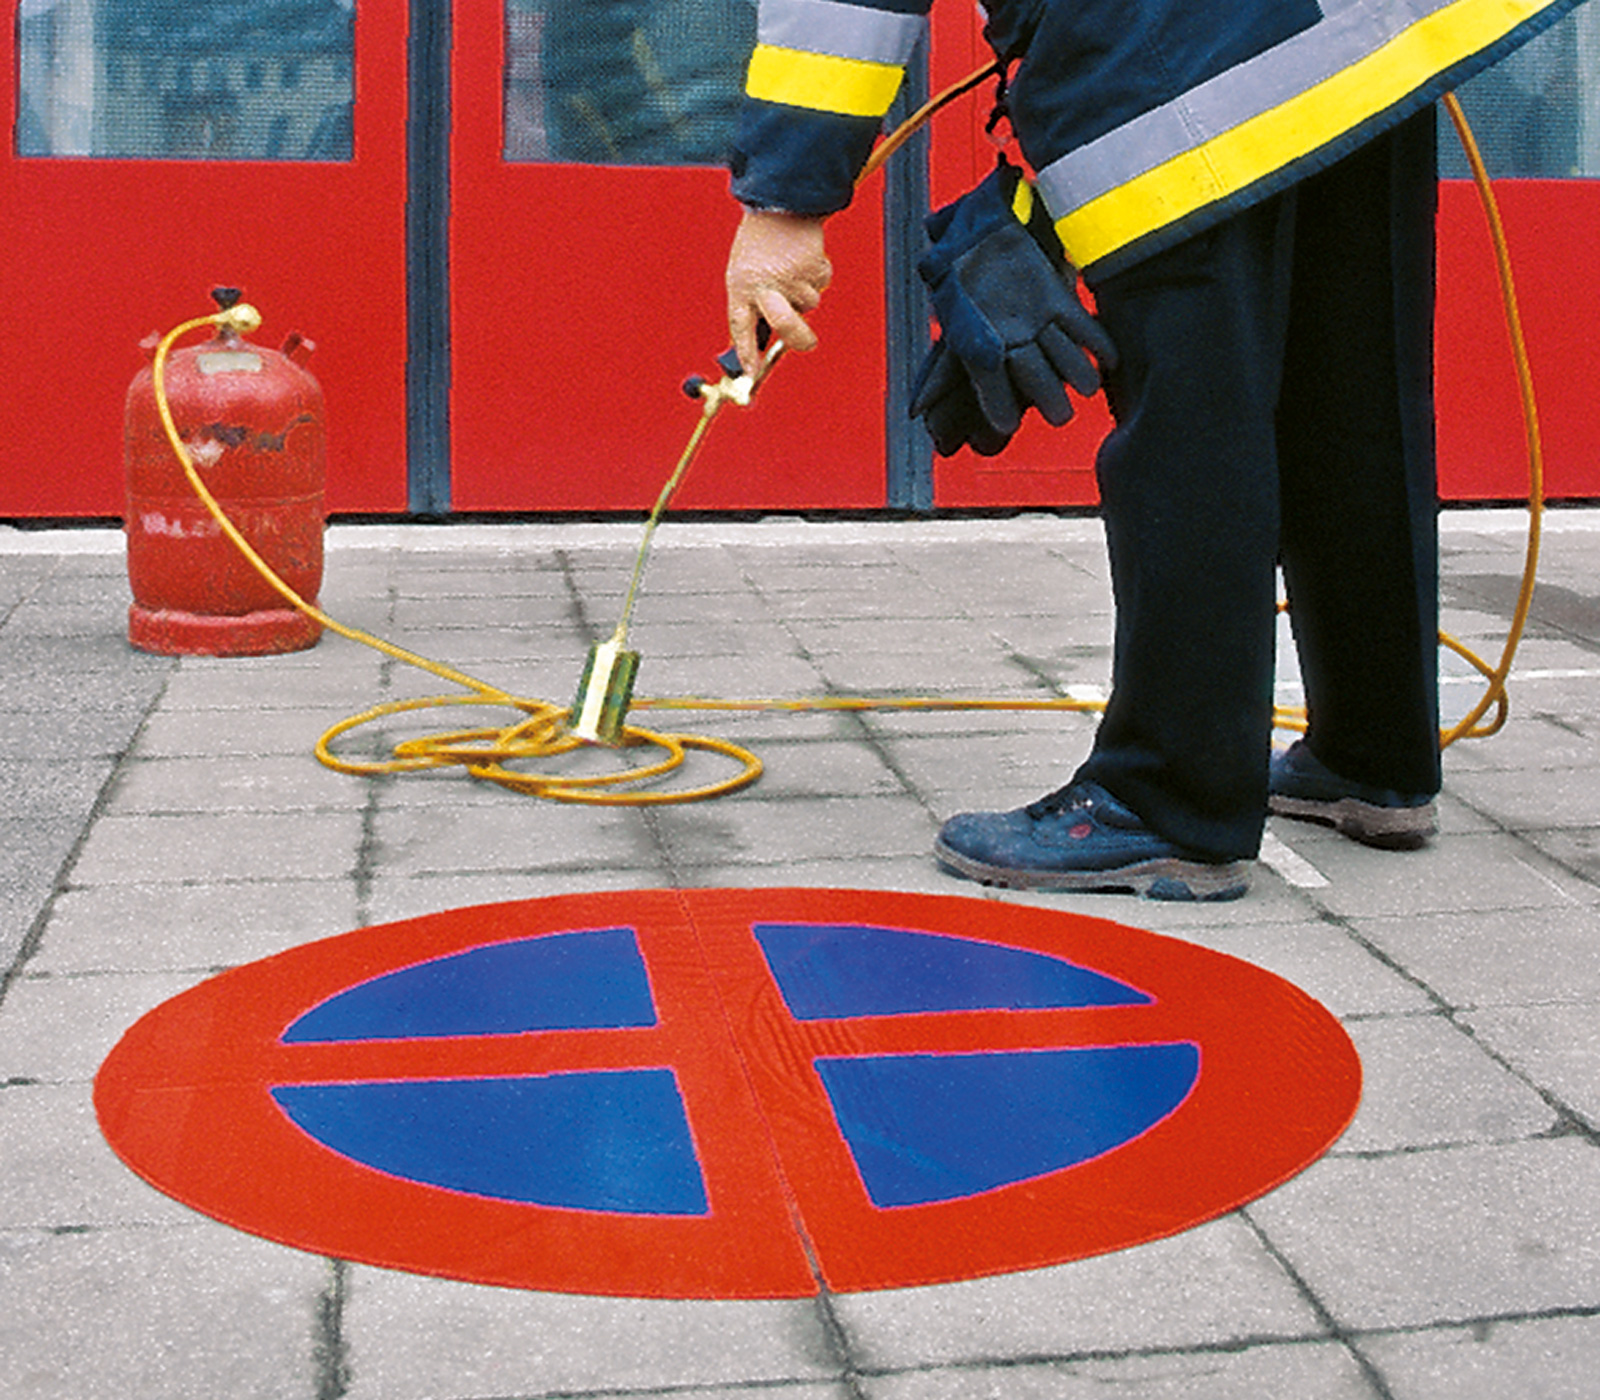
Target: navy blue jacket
x=1143 y=120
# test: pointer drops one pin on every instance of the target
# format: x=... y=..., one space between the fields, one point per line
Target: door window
x=626 y=82
x=179 y=80
x=1536 y=114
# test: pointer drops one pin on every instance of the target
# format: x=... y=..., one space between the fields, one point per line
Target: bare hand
x=777 y=271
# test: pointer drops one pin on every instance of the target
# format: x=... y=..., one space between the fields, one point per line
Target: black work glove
x=943 y=397
x=1008 y=309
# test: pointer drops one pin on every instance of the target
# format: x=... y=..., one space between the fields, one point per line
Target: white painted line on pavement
x=1296 y=869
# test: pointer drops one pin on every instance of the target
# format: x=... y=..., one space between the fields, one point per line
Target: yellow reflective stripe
x=1255 y=148
x=1022 y=202
x=850 y=87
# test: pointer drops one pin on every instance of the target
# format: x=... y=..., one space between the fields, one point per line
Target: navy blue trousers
x=1274 y=404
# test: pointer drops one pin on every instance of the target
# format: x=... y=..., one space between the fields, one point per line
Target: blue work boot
x=1081 y=838
x=1299 y=785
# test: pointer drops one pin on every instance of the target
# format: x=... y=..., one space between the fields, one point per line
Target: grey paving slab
x=848 y=599
x=786 y=677
x=60 y=1176
x=1425 y=1083
x=1556 y=1047
x=1575 y=849
x=1325 y=1370
x=1565 y=797
x=1533 y=1359
x=182 y=847
x=991 y=770
x=224 y=734
x=776 y=834
x=984 y=673
x=1319 y=958
x=247 y=685
x=826 y=768
x=913 y=873
x=1427 y=1237
x=58 y=1029
x=277 y=782
x=132 y=928
x=189 y=1313
x=1209 y=1286
x=527 y=836
x=1537 y=742
x=406 y=897
x=413 y=1338
x=1467 y=872
x=1475 y=959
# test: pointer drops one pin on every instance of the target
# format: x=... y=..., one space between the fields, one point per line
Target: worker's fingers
x=777 y=271
x=781 y=311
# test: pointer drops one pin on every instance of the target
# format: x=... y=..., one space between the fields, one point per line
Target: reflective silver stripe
x=839 y=29
x=1348 y=32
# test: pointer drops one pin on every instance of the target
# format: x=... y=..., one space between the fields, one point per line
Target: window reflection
x=1536 y=114
x=180 y=80
x=624 y=82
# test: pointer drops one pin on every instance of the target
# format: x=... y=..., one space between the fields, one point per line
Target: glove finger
x=957 y=422
x=1085 y=330
x=953 y=420
x=1036 y=382
x=986 y=440
x=997 y=400
x=939 y=374
x=1068 y=360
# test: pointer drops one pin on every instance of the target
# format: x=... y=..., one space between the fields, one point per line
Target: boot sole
x=1388 y=828
x=1166 y=877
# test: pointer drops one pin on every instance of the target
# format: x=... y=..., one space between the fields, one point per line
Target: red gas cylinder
x=252 y=421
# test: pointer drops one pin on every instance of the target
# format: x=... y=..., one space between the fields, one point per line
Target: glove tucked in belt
x=1013 y=332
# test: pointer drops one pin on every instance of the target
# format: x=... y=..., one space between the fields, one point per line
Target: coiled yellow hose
x=487 y=751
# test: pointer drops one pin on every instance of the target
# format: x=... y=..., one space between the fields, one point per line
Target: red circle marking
x=185 y=1099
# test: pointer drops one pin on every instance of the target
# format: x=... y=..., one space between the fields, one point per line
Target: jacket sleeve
x=820 y=82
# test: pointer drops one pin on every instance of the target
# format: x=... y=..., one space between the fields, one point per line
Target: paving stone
x=277 y=782
x=228 y=735
x=1427 y=1084
x=1563 y=798
x=133 y=928
x=1464 y=873
x=170 y=848
x=189 y=1313
x=1411 y=1240
x=1576 y=850
x=1535 y=1359
x=778 y=833
x=1320 y=959
x=1522 y=955
x=1211 y=1285
x=405 y=897
x=58 y=1030
x=60 y=1175
x=1557 y=1047
x=414 y=1338
x=1324 y=1370
x=529 y=836
x=348 y=681
x=989 y=771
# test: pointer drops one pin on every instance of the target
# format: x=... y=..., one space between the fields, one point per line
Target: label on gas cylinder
x=228 y=362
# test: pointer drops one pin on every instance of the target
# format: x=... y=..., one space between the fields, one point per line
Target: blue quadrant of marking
x=606 y=1140
x=925 y=1128
x=586 y=980
x=840 y=970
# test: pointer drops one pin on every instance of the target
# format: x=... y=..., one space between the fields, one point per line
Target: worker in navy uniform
x=1248 y=188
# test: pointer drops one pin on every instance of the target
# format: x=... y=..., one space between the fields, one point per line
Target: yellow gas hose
x=543 y=733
